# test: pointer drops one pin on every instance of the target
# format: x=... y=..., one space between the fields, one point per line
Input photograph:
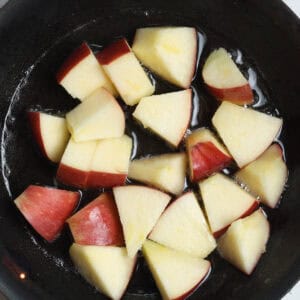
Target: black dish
x=35 y=37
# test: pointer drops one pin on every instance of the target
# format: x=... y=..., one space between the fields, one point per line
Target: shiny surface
x=267 y=35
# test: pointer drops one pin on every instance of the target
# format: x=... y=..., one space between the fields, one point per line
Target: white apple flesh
x=177 y=274
x=139 y=209
x=225 y=201
x=51 y=134
x=266 y=176
x=183 y=227
x=98 y=117
x=224 y=79
x=168 y=115
x=125 y=71
x=81 y=74
x=245 y=241
x=107 y=268
x=109 y=166
x=75 y=164
x=171 y=52
x=165 y=171
x=245 y=132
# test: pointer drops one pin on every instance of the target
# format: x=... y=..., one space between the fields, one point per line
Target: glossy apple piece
x=183 y=227
x=107 y=268
x=81 y=74
x=225 y=201
x=245 y=241
x=47 y=208
x=97 y=223
x=98 y=117
x=206 y=154
x=246 y=133
x=168 y=115
x=110 y=163
x=51 y=134
x=266 y=176
x=177 y=274
x=170 y=52
x=224 y=80
x=165 y=172
x=139 y=208
x=124 y=70
x=75 y=164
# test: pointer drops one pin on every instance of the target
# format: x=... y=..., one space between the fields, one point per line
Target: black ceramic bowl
x=35 y=37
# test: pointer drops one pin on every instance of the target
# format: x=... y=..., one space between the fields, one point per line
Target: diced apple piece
x=47 y=208
x=206 y=154
x=98 y=117
x=81 y=74
x=139 y=209
x=51 y=134
x=266 y=176
x=108 y=268
x=183 y=227
x=165 y=171
x=168 y=115
x=224 y=79
x=245 y=241
x=171 y=52
x=225 y=201
x=177 y=274
x=75 y=164
x=98 y=223
x=124 y=70
x=245 y=132
x=109 y=166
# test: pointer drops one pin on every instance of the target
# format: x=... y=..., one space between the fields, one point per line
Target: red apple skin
x=47 y=209
x=35 y=123
x=187 y=294
x=72 y=176
x=206 y=159
x=76 y=56
x=239 y=95
x=247 y=213
x=103 y=179
x=98 y=223
x=113 y=51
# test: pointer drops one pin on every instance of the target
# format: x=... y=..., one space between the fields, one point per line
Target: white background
x=294 y=294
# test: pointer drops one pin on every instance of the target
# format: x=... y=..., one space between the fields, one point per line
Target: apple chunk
x=183 y=227
x=139 y=209
x=171 y=52
x=224 y=201
x=168 y=115
x=165 y=171
x=75 y=164
x=47 y=208
x=98 y=223
x=206 y=154
x=98 y=117
x=177 y=274
x=124 y=70
x=81 y=74
x=245 y=241
x=224 y=79
x=51 y=134
x=266 y=176
x=245 y=132
x=109 y=166
x=108 y=268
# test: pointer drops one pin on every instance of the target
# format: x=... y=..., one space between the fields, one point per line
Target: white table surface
x=294 y=294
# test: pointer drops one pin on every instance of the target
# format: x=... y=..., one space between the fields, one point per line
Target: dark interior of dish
x=36 y=37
